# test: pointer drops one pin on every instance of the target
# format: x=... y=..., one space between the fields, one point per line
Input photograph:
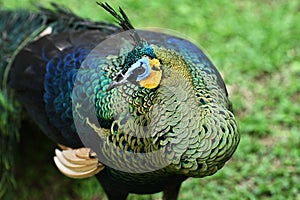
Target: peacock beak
x=118 y=80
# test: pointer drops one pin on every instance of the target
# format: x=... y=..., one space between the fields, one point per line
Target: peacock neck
x=173 y=64
x=175 y=116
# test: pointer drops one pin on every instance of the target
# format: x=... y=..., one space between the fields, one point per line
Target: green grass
x=255 y=45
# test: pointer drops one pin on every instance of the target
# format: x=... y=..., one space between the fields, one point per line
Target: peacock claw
x=77 y=163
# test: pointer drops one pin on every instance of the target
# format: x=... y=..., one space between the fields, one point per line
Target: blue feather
x=60 y=75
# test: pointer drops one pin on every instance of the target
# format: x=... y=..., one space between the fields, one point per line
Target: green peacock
x=140 y=110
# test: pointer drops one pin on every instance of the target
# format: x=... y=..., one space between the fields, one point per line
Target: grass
x=255 y=45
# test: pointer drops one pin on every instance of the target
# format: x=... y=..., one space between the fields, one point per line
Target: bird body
x=151 y=106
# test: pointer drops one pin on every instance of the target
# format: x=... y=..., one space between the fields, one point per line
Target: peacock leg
x=171 y=191
x=113 y=190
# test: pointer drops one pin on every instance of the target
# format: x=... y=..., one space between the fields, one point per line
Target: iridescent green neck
x=173 y=61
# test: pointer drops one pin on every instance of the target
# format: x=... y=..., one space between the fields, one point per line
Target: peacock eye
x=139 y=70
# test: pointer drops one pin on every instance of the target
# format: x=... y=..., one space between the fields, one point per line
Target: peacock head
x=145 y=72
x=144 y=69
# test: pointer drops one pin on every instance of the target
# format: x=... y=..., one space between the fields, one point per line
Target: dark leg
x=115 y=194
x=171 y=190
x=112 y=189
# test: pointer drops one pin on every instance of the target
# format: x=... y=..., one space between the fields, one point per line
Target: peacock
x=140 y=110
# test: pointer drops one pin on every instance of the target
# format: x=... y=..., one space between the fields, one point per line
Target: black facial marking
x=119 y=77
x=155 y=68
x=139 y=70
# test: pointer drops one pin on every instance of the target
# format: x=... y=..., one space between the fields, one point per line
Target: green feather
x=10 y=113
x=188 y=117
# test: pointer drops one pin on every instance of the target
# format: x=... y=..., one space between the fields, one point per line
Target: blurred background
x=255 y=45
